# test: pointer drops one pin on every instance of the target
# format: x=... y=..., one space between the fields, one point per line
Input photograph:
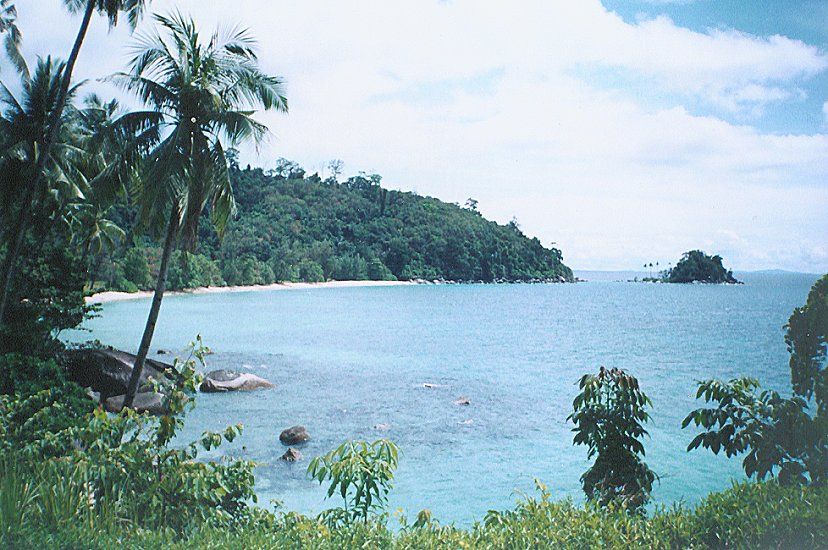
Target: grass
x=57 y=512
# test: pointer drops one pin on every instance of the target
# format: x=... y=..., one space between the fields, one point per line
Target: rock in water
x=151 y=402
x=294 y=435
x=291 y=455
x=462 y=401
x=228 y=380
x=107 y=371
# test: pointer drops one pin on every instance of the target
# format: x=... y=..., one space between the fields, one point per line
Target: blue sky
x=624 y=131
x=806 y=21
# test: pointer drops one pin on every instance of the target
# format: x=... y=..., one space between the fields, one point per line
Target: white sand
x=112 y=296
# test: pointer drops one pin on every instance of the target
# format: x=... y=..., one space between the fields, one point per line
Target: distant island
x=696 y=266
x=292 y=227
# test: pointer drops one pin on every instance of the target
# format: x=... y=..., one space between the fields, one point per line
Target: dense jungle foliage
x=290 y=227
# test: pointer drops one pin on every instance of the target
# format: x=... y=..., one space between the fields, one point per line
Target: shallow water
x=348 y=359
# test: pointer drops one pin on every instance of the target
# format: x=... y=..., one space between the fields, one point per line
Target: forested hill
x=295 y=228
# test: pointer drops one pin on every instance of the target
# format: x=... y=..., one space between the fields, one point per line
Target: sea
x=390 y=362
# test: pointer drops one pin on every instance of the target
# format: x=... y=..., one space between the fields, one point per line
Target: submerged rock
x=291 y=455
x=228 y=380
x=107 y=371
x=294 y=435
x=151 y=402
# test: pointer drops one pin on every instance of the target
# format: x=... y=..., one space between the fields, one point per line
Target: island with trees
x=697 y=267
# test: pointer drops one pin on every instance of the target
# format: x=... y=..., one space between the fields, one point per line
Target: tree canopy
x=696 y=266
x=292 y=227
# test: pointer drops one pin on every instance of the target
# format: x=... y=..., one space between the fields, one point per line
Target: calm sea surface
x=346 y=360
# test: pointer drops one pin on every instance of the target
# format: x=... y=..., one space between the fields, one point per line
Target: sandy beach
x=113 y=296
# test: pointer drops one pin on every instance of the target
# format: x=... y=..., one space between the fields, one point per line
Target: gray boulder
x=151 y=402
x=294 y=435
x=228 y=380
x=107 y=371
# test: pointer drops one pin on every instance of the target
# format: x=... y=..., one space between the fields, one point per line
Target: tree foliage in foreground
x=779 y=435
x=361 y=473
x=609 y=416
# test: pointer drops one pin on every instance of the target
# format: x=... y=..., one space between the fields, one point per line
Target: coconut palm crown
x=199 y=94
x=24 y=126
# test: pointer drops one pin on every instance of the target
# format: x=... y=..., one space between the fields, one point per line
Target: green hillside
x=295 y=228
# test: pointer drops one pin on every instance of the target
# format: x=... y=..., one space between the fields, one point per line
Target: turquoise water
x=347 y=359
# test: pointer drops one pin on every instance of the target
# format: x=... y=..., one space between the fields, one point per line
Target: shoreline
x=116 y=296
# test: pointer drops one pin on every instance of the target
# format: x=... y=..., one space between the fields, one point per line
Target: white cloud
x=482 y=99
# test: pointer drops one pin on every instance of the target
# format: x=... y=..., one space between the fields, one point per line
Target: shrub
x=37 y=400
x=46 y=298
x=362 y=474
x=125 y=462
x=609 y=414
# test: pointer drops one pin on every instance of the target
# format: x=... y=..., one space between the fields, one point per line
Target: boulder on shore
x=151 y=402
x=291 y=455
x=107 y=371
x=294 y=435
x=228 y=380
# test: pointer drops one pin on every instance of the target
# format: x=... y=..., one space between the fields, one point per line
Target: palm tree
x=8 y=25
x=103 y=146
x=199 y=94
x=111 y=9
x=22 y=127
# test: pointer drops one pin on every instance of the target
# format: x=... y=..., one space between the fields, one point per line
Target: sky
x=624 y=132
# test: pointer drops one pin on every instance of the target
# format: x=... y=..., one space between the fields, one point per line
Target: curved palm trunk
x=12 y=254
x=160 y=285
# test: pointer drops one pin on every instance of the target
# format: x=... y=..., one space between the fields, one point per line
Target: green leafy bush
x=124 y=464
x=609 y=416
x=361 y=472
x=36 y=402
